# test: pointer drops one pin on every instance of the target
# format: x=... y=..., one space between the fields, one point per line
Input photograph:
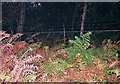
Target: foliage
x=32 y=37
x=109 y=50
x=3 y=35
x=15 y=37
x=30 y=78
x=80 y=46
x=112 y=71
x=56 y=68
x=18 y=68
x=29 y=66
x=87 y=56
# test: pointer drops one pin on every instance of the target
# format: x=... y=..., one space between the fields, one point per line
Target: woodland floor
x=23 y=62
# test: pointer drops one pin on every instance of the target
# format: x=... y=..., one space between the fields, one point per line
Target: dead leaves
x=18 y=46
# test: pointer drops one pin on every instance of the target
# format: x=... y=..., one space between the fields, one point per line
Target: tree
x=83 y=19
x=21 y=17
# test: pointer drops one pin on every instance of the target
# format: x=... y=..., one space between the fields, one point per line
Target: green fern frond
x=80 y=45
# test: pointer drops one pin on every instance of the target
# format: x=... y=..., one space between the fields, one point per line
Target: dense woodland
x=52 y=16
x=48 y=19
x=60 y=42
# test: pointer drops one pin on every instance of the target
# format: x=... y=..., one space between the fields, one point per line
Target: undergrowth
x=80 y=46
x=14 y=68
x=79 y=61
x=56 y=67
x=108 y=51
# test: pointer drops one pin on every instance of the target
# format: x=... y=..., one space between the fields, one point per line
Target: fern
x=87 y=56
x=23 y=68
x=31 y=37
x=56 y=68
x=108 y=51
x=30 y=78
x=19 y=68
x=80 y=46
x=3 y=35
x=14 y=37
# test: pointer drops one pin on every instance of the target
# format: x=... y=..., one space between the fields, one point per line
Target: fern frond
x=29 y=69
x=80 y=46
x=3 y=35
x=7 y=45
x=24 y=68
x=31 y=58
x=16 y=36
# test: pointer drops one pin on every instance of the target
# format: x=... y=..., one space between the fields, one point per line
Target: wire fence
x=52 y=38
x=74 y=31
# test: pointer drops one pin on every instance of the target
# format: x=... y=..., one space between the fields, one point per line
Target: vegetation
x=80 y=61
x=80 y=47
x=48 y=50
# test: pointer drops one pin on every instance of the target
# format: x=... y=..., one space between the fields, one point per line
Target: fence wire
x=52 y=38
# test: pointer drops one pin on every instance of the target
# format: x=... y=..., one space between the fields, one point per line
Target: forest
x=60 y=42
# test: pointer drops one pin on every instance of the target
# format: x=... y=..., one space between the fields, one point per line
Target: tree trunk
x=83 y=19
x=21 y=18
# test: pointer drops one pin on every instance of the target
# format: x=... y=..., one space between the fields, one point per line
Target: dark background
x=50 y=19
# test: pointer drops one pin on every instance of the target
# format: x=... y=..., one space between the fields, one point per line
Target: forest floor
x=81 y=61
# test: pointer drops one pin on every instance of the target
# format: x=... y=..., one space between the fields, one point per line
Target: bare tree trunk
x=73 y=21
x=64 y=29
x=83 y=19
x=22 y=17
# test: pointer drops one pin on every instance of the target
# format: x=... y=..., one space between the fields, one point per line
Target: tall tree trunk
x=64 y=29
x=73 y=21
x=21 y=18
x=83 y=19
